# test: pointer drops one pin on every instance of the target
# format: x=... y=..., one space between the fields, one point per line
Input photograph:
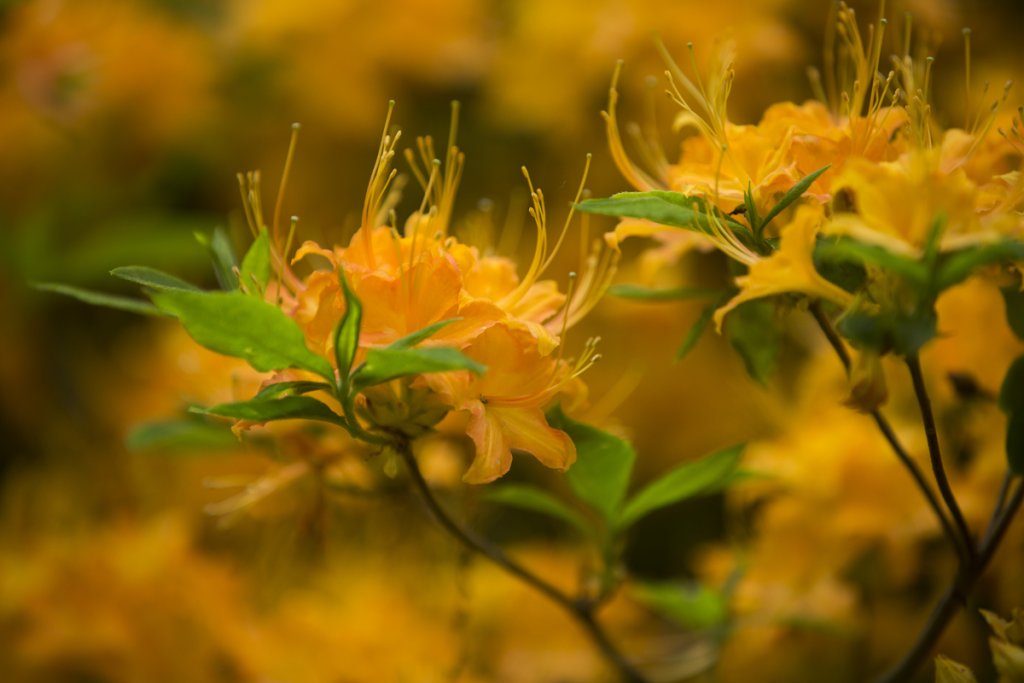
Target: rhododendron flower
x=411 y=280
x=790 y=269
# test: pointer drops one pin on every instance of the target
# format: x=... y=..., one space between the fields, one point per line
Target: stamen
x=568 y=220
x=284 y=257
x=565 y=317
x=284 y=183
x=245 y=207
x=384 y=154
x=814 y=76
x=636 y=177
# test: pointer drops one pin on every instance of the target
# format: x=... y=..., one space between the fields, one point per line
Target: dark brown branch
x=582 y=612
x=939 y=470
x=883 y=426
x=950 y=602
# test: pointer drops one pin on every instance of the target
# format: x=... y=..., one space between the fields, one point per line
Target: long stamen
x=284 y=258
x=284 y=182
x=245 y=206
x=568 y=220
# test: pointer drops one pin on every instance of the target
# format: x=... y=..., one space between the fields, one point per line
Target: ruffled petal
x=493 y=446
x=528 y=430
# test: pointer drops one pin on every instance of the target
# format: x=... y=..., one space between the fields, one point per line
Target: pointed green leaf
x=604 y=463
x=795 y=192
x=955 y=267
x=756 y=225
x=279 y=389
x=346 y=334
x=270 y=410
x=902 y=333
x=222 y=253
x=181 y=436
x=244 y=327
x=1015 y=442
x=631 y=291
x=384 y=365
x=846 y=250
x=697 y=329
x=256 y=265
x=757 y=336
x=122 y=303
x=660 y=206
x=1014 y=299
x=692 y=605
x=152 y=278
x=411 y=340
x=686 y=481
x=535 y=499
x=1011 y=402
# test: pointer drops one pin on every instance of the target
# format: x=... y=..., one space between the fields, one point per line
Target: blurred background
x=122 y=126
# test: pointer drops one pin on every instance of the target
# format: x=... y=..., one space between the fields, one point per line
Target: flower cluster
x=838 y=172
x=420 y=276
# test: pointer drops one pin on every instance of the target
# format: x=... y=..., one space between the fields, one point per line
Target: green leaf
x=180 y=435
x=279 y=389
x=604 y=463
x=849 y=275
x=956 y=266
x=535 y=499
x=223 y=256
x=686 y=481
x=901 y=333
x=1014 y=299
x=384 y=365
x=756 y=225
x=256 y=264
x=691 y=605
x=244 y=327
x=699 y=325
x=846 y=250
x=122 y=303
x=757 y=336
x=795 y=192
x=269 y=410
x=660 y=206
x=1011 y=393
x=152 y=278
x=1011 y=402
x=631 y=291
x=346 y=334
x=411 y=340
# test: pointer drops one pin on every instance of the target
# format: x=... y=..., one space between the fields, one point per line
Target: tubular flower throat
x=420 y=275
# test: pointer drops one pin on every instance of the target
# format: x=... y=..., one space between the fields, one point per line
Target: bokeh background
x=122 y=126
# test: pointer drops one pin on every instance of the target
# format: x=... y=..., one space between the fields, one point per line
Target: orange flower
x=506 y=403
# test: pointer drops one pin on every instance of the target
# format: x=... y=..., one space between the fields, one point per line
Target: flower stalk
x=582 y=611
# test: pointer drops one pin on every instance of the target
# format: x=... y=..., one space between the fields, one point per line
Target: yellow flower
x=1007 y=645
x=407 y=282
x=506 y=403
x=790 y=269
x=948 y=671
x=895 y=205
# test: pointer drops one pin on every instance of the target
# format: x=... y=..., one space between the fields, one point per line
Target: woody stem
x=914 y=364
x=883 y=426
x=950 y=602
x=581 y=611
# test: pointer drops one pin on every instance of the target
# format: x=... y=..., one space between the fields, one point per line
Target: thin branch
x=914 y=364
x=1004 y=490
x=581 y=612
x=887 y=431
x=955 y=595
